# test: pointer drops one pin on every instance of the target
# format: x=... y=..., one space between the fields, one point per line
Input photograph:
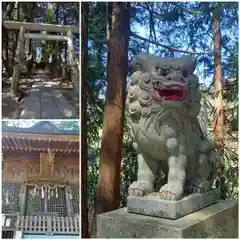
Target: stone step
x=47 y=104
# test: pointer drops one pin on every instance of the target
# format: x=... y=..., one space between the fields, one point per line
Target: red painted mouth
x=170 y=94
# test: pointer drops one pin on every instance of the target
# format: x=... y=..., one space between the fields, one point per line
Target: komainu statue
x=164 y=102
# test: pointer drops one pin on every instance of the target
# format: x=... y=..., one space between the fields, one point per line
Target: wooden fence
x=42 y=224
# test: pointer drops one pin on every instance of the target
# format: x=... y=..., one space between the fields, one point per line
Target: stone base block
x=152 y=205
x=220 y=220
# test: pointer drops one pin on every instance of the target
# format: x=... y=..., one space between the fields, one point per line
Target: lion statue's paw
x=139 y=188
x=172 y=192
x=197 y=185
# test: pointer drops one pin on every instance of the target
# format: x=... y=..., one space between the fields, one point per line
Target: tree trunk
x=108 y=190
x=84 y=87
x=58 y=56
x=218 y=121
x=6 y=39
x=17 y=35
x=8 y=11
x=18 y=62
x=65 y=46
x=30 y=46
x=6 y=14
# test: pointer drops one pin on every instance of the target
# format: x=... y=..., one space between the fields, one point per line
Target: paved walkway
x=46 y=102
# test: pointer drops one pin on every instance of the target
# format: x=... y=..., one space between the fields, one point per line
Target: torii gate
x=19 y=59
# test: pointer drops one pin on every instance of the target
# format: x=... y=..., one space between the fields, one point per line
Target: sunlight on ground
x=36 y=88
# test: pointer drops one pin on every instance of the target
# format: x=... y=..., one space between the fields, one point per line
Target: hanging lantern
x=56 y=192
x=6 y=197
x=48 y=192
x=42 y=192
x=34 y=191
x=70 y=194
x=52 y=192
x=37 y=192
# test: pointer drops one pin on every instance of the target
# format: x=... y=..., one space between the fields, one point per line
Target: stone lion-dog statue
x=163 y=100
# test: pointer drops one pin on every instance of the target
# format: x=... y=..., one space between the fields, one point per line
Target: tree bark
x=108 y=190
x=65 y=47
x=218 y=121
x=9 y=9
x=7 y=13
x=84 y=149
x=59 y=44
x=7 y=59
x=18 y=61
x=16 y=35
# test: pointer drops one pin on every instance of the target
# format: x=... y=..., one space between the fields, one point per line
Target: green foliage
x=68 y=125
x=49 y=14
x=19 y=123
x=66 y=13
x=227 y=178
x=48 y=46
x=129 y=164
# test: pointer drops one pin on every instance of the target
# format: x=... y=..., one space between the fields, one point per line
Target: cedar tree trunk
x=108 y=190
x=84 y=84
x=218 y=122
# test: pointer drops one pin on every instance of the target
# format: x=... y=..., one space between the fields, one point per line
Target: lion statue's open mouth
x=173 y=93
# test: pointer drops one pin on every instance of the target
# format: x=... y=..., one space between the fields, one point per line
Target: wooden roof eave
x=34 y=145
x=55 y=137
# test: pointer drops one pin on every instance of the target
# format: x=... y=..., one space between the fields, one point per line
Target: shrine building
x=40 y=182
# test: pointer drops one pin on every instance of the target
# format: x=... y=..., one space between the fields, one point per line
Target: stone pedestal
x=219 y=220
x=152 y=205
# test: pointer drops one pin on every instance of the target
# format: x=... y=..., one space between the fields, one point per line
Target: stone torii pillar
x=18 y=60
x=72 y=62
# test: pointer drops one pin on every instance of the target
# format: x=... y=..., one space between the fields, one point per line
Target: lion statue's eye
x=163 y=72
x=138 y=67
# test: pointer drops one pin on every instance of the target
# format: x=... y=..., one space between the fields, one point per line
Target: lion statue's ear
x=188 y=64
x=140 y=62
x=143 y=62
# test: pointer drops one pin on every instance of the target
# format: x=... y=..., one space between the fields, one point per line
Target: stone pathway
x=46 y=102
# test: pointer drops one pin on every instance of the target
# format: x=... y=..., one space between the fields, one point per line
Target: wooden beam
x=37 y=36
x=40 y=26
x=44 y=150
x=40 y=180
x=47 y=164
x=55 y=137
